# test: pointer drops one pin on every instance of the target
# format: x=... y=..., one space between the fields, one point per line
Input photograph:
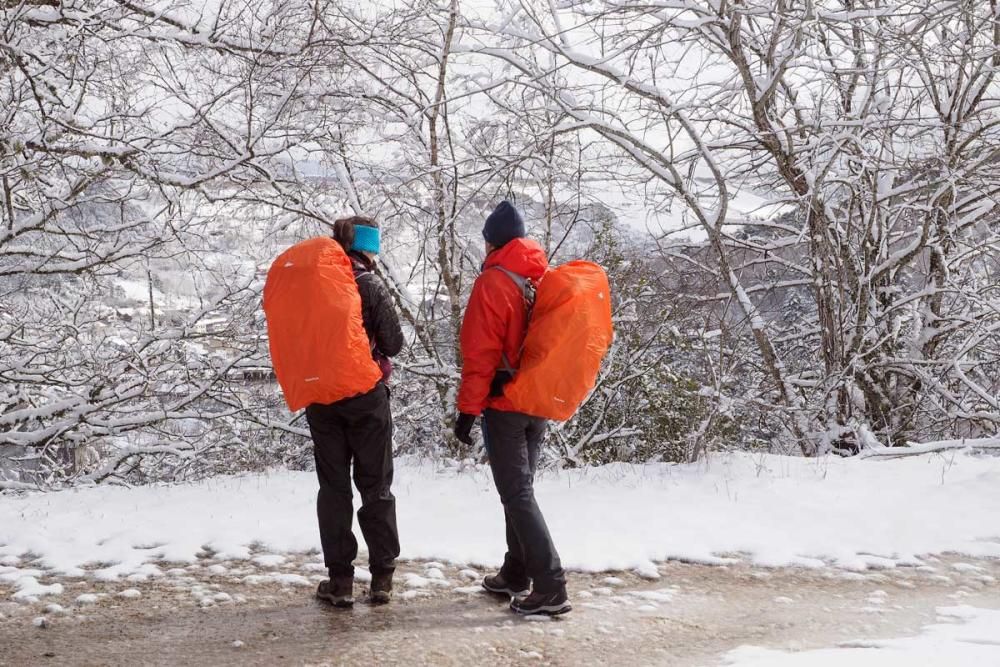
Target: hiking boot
x=499 y=585
x=381 y=589
x=339 y=592
x=551 y=604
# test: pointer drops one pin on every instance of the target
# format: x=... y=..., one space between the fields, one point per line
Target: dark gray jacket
x=377 y=311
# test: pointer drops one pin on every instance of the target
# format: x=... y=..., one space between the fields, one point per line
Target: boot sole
x=505 y=591
x=548 y=610
x=379 y=598
x=340 y=603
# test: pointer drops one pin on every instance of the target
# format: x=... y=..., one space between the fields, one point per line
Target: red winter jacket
x=494 y=322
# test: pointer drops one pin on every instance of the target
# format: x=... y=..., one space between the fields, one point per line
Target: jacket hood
x=360 y=262
x=521 y=256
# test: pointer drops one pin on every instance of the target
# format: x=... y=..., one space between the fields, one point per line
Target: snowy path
x=214 y=613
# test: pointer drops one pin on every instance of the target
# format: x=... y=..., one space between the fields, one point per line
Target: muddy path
x=263 y=613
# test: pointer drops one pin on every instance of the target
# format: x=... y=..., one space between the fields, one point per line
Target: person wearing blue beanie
x=494 y=326
x=503 y=225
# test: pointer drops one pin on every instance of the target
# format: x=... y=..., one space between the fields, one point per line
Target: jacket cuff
x=467 y=409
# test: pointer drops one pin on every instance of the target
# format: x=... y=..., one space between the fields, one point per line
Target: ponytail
x=343 y=233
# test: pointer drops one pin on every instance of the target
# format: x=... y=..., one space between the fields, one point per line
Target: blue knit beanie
x=366 y=239
x=503 y=224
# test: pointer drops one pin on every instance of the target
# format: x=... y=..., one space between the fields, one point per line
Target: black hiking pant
x=513 y=441
x=358 y=430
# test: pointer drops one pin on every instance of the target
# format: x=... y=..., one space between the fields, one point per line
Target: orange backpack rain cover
x=569 y=333
x=319 y=348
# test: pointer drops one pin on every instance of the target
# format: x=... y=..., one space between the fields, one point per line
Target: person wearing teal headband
x=357 y=432
x=366 y=239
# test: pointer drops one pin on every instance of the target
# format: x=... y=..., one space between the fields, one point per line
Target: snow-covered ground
x=970 y=637
x=769 y=510
x=250 y=542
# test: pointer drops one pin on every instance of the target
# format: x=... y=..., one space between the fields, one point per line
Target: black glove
x=463 y=428
x=500 y=380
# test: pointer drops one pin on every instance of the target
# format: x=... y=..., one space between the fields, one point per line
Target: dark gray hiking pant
x=513 y=441
x=358 y=430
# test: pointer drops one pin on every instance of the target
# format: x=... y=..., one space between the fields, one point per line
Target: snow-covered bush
x=154 y=161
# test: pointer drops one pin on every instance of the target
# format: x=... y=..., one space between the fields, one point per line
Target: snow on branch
x=932 y=447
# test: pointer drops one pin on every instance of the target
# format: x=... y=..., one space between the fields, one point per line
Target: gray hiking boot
x=339 y=592
x=550 y=604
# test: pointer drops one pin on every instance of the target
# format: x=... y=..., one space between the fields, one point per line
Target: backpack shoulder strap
x=527 y=288
x=524 y=284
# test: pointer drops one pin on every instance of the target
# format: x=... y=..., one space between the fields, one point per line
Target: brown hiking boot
x=339 y=592
x=498 y=584
x=381 y=588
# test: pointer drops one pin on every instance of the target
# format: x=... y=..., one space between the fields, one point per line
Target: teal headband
x=366 y=239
